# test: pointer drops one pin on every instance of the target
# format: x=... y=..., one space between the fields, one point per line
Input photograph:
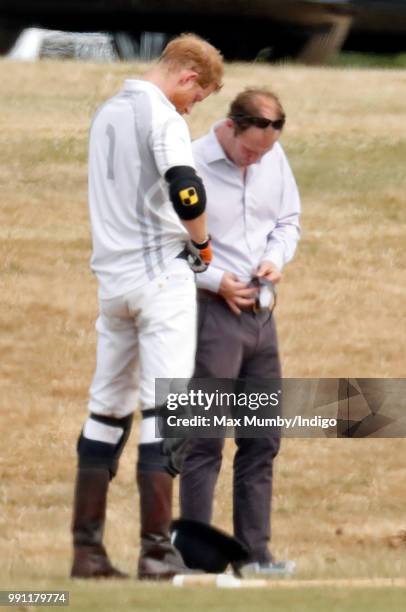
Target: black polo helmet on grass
x=205 y=547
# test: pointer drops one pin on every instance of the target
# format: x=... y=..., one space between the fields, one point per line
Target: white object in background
x=28 y=45
x=36 y=43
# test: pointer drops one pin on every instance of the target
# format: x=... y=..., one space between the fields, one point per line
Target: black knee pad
x=167 y=455
x=95 y=453
x=164 y=456
x=175 y=450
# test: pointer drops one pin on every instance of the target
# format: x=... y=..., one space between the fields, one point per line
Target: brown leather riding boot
x=90 y=559
x=159 y=559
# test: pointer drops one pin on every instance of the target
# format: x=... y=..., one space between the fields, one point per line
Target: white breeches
x=146 y=334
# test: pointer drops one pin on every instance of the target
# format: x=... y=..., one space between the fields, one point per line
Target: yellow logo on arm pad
x=189 y=196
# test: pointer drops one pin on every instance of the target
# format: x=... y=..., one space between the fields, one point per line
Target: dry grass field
x=339 y=504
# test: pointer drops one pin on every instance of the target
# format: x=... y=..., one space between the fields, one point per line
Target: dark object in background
x=311 y=31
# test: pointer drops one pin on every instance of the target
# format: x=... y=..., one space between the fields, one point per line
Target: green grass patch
x=349 y=166
x=35 y=151
x=130 y=596
x=369 y=60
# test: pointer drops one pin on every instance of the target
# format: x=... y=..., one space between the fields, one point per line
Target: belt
x=205 y=295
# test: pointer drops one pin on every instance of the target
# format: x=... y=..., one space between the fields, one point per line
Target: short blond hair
x=191 y=51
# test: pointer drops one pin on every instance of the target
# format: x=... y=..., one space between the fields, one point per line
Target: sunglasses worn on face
x=259 y=122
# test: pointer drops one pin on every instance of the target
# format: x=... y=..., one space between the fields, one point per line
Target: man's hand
x=237 y=294
x=268 y=270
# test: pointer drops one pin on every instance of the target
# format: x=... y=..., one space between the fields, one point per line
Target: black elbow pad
x=186 y=191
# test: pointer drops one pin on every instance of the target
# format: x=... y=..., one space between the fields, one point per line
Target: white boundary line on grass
x=227 y=581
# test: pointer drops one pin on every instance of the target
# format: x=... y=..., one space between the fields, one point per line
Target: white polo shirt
x=135 y=137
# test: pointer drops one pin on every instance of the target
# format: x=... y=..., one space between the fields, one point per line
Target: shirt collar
x=138 y=84
x=214 y=151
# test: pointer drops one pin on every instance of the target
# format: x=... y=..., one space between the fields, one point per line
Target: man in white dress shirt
x=146 y=202
x=253 y=209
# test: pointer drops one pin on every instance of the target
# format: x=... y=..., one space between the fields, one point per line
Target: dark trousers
x=234 y=347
